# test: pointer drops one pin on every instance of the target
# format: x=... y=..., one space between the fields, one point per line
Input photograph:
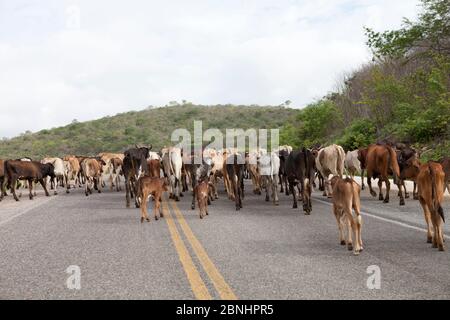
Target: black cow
x=283 y=155
x=134 y=164
x=31 y=171
x=404 y=156
x=235 y=167
x=300 y=170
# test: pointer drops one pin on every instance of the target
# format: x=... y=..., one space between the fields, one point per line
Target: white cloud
x=128 y=56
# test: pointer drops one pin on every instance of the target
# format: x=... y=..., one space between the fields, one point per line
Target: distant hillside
x=151 y=126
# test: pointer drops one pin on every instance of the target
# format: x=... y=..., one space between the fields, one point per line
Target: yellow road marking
x=196 y=282
x=218 y=281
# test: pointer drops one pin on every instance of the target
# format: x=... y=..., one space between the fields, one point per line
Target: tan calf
x=202 y=194
x=430 y=185
x=346 y=196
x=151 y=186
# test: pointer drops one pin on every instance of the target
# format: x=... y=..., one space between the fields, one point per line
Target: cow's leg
x=144 y=202
x=415 y=193
x=402 y=199
x=438 y=239
x=294 y=195
x=363 y=187
x=56 y=186
x=30 y=188
x=177 y=190
x=44 y=186
x=275 y=190
x=127 y=192
x=13 y=184
x=86 y=188
x=194 y=193
x=427 y=215
x=2 y=194
x=369 y=183
x=440 y=235
x=100 y=187
x=337 y=214
x=325 y=186
x=280 y=179
x=157 y=206
x=350 y=226
x=406 y=191
x=286 y=185
x=380 y=187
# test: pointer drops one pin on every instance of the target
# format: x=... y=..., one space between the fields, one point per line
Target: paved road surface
x=261 y=252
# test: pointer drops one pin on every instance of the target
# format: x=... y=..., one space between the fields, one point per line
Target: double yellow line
x=197 y=284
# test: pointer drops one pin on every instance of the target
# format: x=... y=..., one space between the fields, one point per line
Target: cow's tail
x=340 y=161
x=393 y=163
x=434 y=198
x=307 y=167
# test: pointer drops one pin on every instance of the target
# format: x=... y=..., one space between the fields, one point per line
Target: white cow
x=172 y=164
x=352 y=164
x=59 y=169
x=269 y=167
x=330 y=160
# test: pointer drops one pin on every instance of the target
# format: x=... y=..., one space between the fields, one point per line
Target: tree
x=431 y=33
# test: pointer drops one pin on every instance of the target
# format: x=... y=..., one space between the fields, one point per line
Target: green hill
x=152 y=126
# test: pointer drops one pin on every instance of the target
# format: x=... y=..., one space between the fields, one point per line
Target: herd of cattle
x=148 y=174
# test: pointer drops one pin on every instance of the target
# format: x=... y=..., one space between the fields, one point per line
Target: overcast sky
x=62 y=60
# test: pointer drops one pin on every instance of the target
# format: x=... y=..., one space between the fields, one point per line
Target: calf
x=201 y=192
x=430 y=184
x=32 y=171
x=92 y=171
x=346 y=196
x=198 y=173
x=150 y=186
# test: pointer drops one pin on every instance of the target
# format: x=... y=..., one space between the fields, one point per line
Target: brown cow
x=202 y=194
x=410 y=172
x=31 y=171
x=430 y=183
x=381 y=160
x=73 y=172
x=92 y=172
x=154 y=168
x=346 y=196
x=151 y=186
x=362 y=157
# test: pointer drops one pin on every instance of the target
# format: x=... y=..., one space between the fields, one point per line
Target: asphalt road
x=261 y=252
